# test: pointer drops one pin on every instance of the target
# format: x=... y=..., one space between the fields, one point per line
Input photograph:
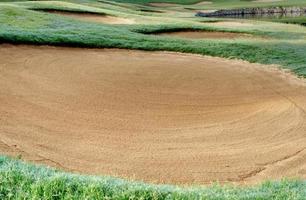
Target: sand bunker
x=158 y=117
x=205 y=35
x=203 y=3
x=106 y=19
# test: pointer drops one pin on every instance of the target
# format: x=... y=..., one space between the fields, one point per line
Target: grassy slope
x=19 y=180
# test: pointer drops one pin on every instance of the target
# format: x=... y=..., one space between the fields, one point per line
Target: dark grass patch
x=67 y=11
x=190 y=8
x=153 y=29
x=151 y=11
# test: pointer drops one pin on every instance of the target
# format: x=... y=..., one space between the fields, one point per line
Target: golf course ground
x=142 y=99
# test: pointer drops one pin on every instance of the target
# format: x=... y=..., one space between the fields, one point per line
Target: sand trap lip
x=203 y=3
x=106 y=19
x=153 y=116
x=191 y=34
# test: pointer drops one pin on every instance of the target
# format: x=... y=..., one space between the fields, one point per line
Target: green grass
x=19 y=180
x=186 y=2
x=292 y=20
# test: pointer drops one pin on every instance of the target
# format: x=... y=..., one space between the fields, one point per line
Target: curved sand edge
x=105 y=19
x=153 y=116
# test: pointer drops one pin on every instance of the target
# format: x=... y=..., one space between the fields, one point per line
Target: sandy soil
x=159 y=117
x=206 y=35
x=203 y=3
x=106 y=19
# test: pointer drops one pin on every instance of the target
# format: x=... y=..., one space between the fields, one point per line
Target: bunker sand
x=153 y=116
x=105 y=19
